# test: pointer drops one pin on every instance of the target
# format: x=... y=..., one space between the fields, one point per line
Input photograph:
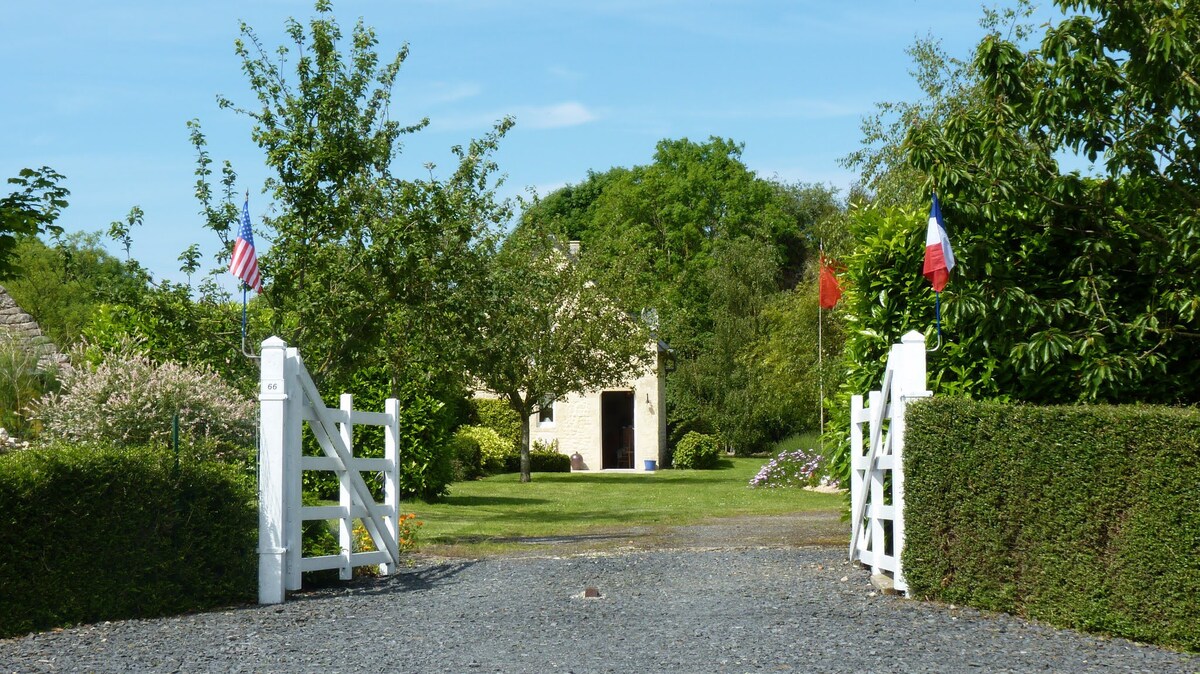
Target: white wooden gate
x=289 y=398
x=877 y=475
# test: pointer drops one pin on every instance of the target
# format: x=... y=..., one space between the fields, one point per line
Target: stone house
x=617 y=429
x=18 y=326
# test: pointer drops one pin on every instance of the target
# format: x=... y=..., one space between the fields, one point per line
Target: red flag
x=939 y=258
x=830 y=291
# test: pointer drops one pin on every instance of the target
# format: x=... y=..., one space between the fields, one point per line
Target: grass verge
x=485 y=516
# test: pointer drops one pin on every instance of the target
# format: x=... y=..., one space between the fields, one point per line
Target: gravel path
x=689 y=609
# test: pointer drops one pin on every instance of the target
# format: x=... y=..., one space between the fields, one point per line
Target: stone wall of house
x=577 y=422
x=17 y=325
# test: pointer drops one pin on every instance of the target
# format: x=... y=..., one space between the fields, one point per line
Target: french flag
x=939 y=259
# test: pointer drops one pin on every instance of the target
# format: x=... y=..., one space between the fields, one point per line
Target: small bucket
x=651 y=465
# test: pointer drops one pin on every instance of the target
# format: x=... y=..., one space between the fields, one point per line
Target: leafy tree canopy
x=31 y=210
x=703 y=241
x=551 y=330
x=62 y=284
x=363 y=265
x=1069 y=287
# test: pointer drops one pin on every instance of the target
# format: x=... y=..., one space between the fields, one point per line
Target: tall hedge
x=100 y=534
x=1085 y=517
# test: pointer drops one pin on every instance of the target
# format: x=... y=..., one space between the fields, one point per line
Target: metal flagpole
x=938 y=317
x=820 y=358
x=246 y=289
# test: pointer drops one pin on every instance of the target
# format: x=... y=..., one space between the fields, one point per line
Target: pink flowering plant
x=128 y=399
x=791 y=468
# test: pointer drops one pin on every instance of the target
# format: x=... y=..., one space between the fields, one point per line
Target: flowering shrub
x=407 y=526
x=127 y=399
x=794 y=468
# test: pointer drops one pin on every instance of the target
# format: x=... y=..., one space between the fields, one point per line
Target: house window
x=546 y=412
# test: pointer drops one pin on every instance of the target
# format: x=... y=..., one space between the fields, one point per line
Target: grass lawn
x=478 y=516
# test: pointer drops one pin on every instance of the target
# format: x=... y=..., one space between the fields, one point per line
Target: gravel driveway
x=716 y=599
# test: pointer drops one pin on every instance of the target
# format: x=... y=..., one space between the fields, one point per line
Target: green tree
x=175 y=322
x=791 y=378
x=551 y=330
x=1069 y=288
x=362 y=265
x=1090 y=277
x=366 y=272
x=716 y=389
x=121 y=231
x=668 y=233
x=31 y=210
x=64 y=283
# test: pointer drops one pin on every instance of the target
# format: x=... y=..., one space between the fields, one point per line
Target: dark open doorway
x=616 y=429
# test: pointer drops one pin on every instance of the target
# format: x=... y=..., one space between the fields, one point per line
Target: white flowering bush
x=126 y=399
x=791 y=468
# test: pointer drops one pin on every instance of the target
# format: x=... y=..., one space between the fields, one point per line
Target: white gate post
x=873 y=484
x=859 y=415
x=346 y=523
x=293 y=471
x=908 y=382
x=391 y=481
x=272 y=520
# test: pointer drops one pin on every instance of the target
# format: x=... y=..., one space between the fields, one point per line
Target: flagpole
x=820 y=358
x=938 y=318
x=244 y=290
x=245 y=287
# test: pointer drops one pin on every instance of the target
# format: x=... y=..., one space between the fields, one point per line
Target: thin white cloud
x=450 y=92
x=839 y=179
x=564 y=73
x=556 y=116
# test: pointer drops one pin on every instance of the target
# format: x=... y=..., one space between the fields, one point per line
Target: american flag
x=244 y=263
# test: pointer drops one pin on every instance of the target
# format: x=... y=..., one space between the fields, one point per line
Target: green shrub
x=426 y=454
x=542 y=459
x=498 y=416
x=426 y=457
x=1083 y=517
x=478 y=451
x=697 y=450
x=101 y=534
x=468 y=459
x=317 y=539
x=22 y=381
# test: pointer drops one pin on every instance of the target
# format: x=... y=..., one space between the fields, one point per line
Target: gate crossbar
x=335 y=448
x=288 y=398
x=878 y=477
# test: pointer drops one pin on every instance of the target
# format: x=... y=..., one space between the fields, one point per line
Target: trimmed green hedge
x=540 y=461
x=95 y=534
x=1084 y=517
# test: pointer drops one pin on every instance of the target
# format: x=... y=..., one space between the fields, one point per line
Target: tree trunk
x=525 y=467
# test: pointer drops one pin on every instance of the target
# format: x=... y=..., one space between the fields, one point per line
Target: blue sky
x=102 y=92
